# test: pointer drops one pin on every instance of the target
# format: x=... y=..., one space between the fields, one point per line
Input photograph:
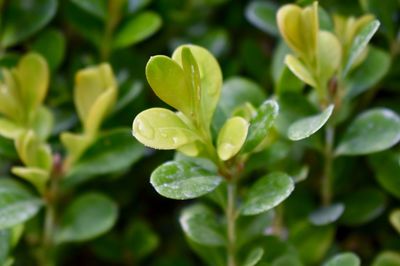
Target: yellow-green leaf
x=36 y=176
x=75 y=144
x=9 y=129
x=161 y=128
x=300 y=70
x=232 y=137
x=329 y=57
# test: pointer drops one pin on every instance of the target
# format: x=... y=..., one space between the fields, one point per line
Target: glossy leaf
x=260 y=124
x=254 y=257
x=87 y=217
x=163 y=129
x=307 y=126
x=394 y=219
x=200 y=224
x=326 y=215
x=138 y=28
x=232 y=137
x=268 y=192
x=183 y=180
x=343 y=259
x=372 y=131
x=262 y=15
x=17 y=204
x=21 y=20
x=360 y=42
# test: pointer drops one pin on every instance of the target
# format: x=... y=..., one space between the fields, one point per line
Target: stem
x=327 y=174
x=112 y=21
x=231 y=223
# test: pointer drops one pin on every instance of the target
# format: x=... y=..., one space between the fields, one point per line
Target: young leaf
x=17 y=204
x=87 y=217
x=300 y=70
x=162 y=129
x=43 y=122
x=372 y=131
x=21 y=19
x=326 y=215
x=210 y=78
x=394 y=219
x=359 y=43
x=343 y=259
x=200 y=225
x=232 y=137
x=9 y=129
x=262 y=15
x=260 y=124
x=268 y=192
x=307 y=126
x=139 y=27
x=36 y=176
x=254 y=257
x=329 y=55
x=183 y=180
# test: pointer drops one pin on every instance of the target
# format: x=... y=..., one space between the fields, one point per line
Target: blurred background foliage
x=72 y=34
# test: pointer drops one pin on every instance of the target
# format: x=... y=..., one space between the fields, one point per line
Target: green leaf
x=387 y=258
x=263 y=16
x=367 y=74
x=36 y=176
x=5 y=245
x=360 y=43
x=307 y=126
x=17 y=204
x=87 y=217
x=343 y=259
x=260 y=124
x=363 y=206
x=167 y=79
x=232 y=137
x=268 y=192
x=210 y=78
x=387 y=171
x=254 y=257
x=162 y=129
x=43 y=123
x=200 y=225
x=287 y=259
x=183 y=180
x=51 y=45
x=372 y=131
x=9 y=129
x=21 y=19
x=137 y=28
x=97 y=8
x=394 y=219
x=326 y=215
x=140 y=239
x=250 y=228
x=300 y=70
x=112 y=152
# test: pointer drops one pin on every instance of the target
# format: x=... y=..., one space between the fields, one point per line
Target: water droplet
x=143 y=128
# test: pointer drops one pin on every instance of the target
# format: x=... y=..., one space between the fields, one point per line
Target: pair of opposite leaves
x=190 y=82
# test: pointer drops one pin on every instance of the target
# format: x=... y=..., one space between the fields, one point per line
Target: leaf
x=9 y=129
x=343 y=259
x=387 y=171
x=394 y=219
x=268 y=192
x=141 y=239
x=329 y=55
x=87 y=217
x=112 y=152
x=326 y=215
x=43 y=122
x=20 y=19
x=210 y=78
x=305 y=127
x=387 y=258
x=260 y=124
x=254 y=257
x=167 y=79
x=36 y=176
x=200 y=225
x=162 y=129
x=183 y=180
x=17 y=204
x=262 y=15
x=137 y=28
x=51 y=45
x=232 y=137
x=287 y=259
x=372 y=131
x=5 y=245
x=359 y=43
x=250 y=228
x=367 y=74
x=97 y=8
x=300 y=70
x=363 y=206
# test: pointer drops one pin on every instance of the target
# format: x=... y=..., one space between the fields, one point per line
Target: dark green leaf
x=140 y=239
x=87 y=217
x=183 y=180
x=262 y=15
x=51 y=44
x=97 y=8
x=268 y=192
